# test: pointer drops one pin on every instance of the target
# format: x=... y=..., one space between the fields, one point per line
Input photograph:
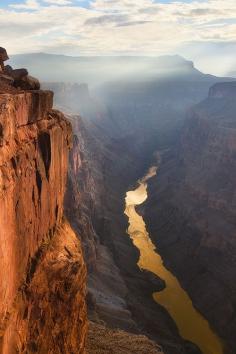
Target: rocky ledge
x=43 y=275
x=15 y=78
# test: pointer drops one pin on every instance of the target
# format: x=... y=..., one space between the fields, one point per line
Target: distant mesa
x=15 y=78
x=232 y=74
x=223 y=90
x=96 y=70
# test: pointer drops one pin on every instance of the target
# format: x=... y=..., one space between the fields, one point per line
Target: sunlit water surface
x=191 y=324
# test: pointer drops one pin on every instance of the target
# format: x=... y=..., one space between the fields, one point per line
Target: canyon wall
x=119 y=294
x=192 y=209
x=43 y=275
x=85 y=206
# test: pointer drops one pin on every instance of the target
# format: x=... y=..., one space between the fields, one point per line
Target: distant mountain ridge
x=232 y=74
x=95 y=70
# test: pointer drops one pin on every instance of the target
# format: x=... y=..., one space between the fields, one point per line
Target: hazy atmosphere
x=202 y=31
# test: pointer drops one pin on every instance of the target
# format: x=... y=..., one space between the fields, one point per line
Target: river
x=191 y=324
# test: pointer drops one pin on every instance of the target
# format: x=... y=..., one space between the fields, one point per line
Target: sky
x=200 y=30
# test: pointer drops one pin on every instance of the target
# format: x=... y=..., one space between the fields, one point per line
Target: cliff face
x=74 y=99
x=85 y=206
x=192 y=209
x=42 y=290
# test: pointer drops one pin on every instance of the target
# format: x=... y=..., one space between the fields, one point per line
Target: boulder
x=18 y=74
x=18 y=78
x=27 y=83
x=3 y=54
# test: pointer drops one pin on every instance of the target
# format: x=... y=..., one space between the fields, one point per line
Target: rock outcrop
x=43 y=275
x=104 y=340
x=192 y=209
x=18 y=78
x=3 y=58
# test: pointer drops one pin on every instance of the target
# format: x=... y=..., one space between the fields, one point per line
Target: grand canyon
x=118 y=206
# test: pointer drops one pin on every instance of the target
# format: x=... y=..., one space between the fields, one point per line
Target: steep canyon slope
x=192 y=212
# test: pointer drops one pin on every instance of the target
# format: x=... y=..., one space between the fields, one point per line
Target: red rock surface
x=42 y=289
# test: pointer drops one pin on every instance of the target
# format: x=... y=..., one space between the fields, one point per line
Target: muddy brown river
x=191 y=324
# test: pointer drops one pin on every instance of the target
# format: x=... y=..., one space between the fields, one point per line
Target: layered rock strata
x=43 y=275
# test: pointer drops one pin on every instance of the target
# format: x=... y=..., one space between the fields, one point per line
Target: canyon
x=121 y=297
x=169 y=234
x=75 y=282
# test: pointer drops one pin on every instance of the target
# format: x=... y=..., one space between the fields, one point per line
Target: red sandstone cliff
x=42 y=288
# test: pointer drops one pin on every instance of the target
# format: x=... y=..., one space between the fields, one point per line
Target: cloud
x=106 y=19
x=204 y=12
x=27 y=5
x=150 y=10
x=58 y=2
x=133 y=23
x=110 y=27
